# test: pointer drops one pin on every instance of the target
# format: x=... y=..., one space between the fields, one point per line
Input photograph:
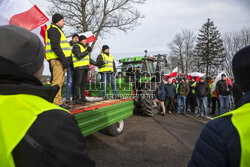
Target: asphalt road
x=158 y=141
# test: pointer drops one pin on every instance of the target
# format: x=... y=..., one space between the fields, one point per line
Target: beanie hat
x=202 y=78
x=82 y=37
x=104 y=47
x=241 y=68
x=22 y=47
x=75 y=35
x=56 y=18
x=223 y=75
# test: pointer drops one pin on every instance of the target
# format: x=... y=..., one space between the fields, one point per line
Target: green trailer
x=105 y=115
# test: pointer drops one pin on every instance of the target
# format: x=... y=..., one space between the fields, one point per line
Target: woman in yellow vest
x=33 y=131
x=106 y=64
x=224 y=141
x=81 y=61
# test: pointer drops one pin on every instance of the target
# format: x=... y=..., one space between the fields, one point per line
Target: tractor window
x=151 y=67
x=127 y=66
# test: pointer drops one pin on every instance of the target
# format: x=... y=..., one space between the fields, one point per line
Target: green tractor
x=145 y=78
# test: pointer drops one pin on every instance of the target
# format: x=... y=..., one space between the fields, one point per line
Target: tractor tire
x=116 y=129
x=146 y=104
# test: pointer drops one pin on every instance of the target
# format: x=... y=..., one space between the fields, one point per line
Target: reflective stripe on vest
x=177 y=87
x=240 y=119
x=64 y=43
x=108 y=66
x=81 y=62
x=18 y=113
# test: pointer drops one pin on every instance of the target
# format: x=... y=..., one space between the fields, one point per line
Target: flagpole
x=98 y=45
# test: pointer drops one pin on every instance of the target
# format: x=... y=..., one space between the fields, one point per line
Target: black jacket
x=79 y=55
x=221 y=88
x=100 y=63
x=237 y=92
x=54 y=35
x=219 y=143
x=170 y=90
x=202 y=89
x=54 y=139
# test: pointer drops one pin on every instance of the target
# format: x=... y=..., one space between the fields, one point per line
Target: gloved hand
x=89 y=49
x=65 y=63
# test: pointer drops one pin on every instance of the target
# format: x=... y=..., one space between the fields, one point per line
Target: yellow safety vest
x=193 y=89
x=108 y=66
x=211 y=92
x=64 y=43
x=240 y=119
x=18 y=113
x=81 y=62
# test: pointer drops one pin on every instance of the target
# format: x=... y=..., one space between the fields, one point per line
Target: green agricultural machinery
x=145 y=74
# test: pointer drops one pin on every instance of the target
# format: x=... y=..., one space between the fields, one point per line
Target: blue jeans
x=200 y=101
x=108 y=77
x=179 y=100
x=69 y=82
x=224 y=102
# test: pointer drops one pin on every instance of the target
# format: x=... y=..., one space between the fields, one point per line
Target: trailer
x=106 y=116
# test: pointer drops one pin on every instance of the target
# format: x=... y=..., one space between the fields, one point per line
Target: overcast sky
x=165 y=18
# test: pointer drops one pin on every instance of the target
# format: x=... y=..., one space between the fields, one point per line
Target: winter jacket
x=170 y=90
x=100 y=63
x=202 y=89
x=77 y=51
x=161 y=94
x=219 y=143
x=183 y=89
x=56 y=132
x=221 y=88
x=54 y=35
x=237 y=93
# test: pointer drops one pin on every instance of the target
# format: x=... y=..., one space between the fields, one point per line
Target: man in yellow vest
x=33 y=131
x=106 y=64
x=81 y=61
x=224 y=141
x=58 y=53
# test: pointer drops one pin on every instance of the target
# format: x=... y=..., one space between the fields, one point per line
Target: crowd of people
x=184 y=95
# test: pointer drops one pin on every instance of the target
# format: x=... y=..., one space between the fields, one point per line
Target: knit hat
x=202 y=78
x=56 y=18
x=82 y=37
x=241 y=68
x=22 y=47
x=104 y=47
x=75 y=35
x=223 y=75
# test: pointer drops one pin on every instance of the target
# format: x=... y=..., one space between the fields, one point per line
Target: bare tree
x=182 y=50
x=98 y=16
x=233 y=42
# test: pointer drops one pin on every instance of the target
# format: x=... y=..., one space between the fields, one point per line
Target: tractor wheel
x=146 y=104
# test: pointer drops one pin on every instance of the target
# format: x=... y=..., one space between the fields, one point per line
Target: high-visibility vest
x=64 y=43
x=211 y=91
x=193 y=89
x=176 y=88
x=108 y=66
x=18 y=113
x=240 y=119
x=81 y=62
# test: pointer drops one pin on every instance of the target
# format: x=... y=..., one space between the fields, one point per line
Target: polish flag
x=89 y=35
x=197 y=76
x=172 y=75
x=218 y=77
x=23 y=13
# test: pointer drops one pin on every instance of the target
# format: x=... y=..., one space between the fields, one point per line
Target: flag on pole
x=172 y=75
x=197 y=76
x=23 y=13
x=90 y=36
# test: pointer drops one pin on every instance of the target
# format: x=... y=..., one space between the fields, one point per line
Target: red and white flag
x=197 y=76
x=23 y=13
x=90 y=36
x=172 y=75
x=218 y=77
